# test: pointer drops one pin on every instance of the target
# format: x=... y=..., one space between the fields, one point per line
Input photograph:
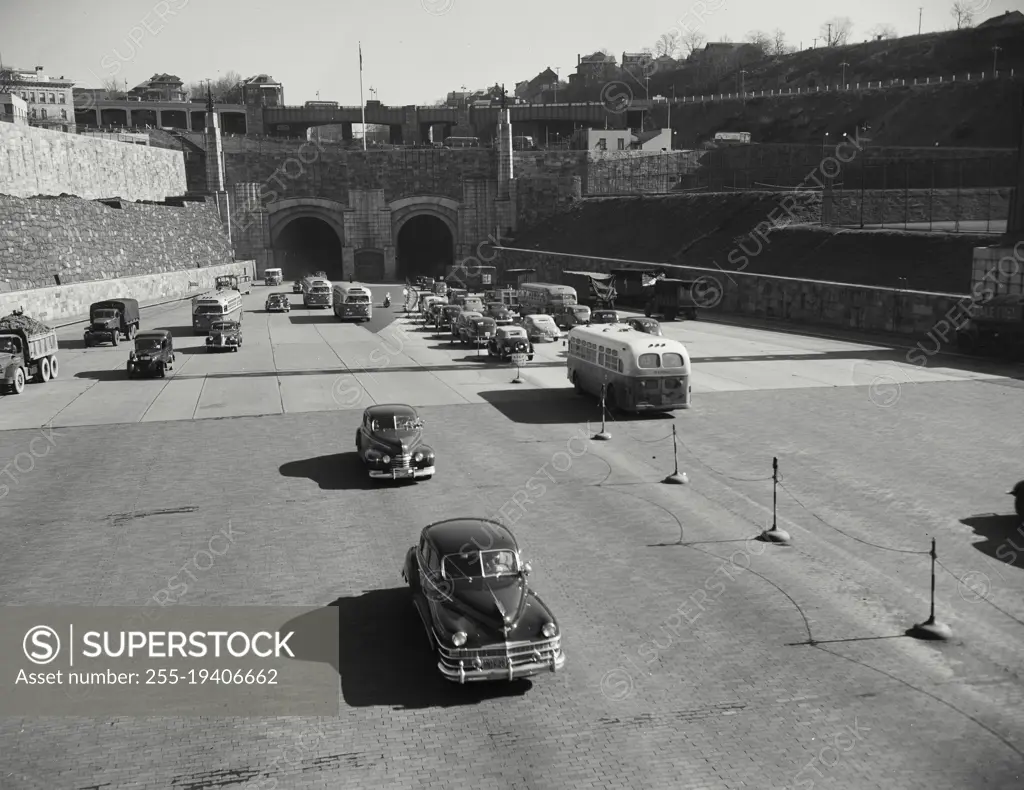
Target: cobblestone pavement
x=697 y=658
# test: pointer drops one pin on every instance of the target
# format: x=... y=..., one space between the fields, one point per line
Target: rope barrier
x=960 y=580
x=847 y=534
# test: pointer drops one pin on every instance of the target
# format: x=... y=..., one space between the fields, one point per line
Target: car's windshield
x=6 y=345
x=543 y=320
x=223 y=327
x=477 y=564
x=148 y=343
x=104 y=314
x=400 y=422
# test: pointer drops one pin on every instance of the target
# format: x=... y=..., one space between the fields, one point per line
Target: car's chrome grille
x=515 y=652
x=401 y=462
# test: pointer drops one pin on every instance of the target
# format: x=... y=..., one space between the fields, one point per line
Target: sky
x=414 y=51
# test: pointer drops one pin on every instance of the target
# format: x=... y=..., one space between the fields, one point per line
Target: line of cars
x=482 y=619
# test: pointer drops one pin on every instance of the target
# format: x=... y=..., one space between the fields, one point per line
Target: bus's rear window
x=648 y=361
x=672 y=360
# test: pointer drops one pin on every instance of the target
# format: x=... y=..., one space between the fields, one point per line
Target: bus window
x=647 y=361
x=672 y=360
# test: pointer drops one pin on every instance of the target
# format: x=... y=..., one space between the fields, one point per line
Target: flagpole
x=361 y=102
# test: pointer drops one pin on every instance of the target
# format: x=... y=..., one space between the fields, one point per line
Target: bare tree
x=692 y=40
x=778 y=44
x=962 y=14
x=115 y=88
x=226 y=89
x=725 y=40
x=761 y=40
x=667 y=44
x=883 y=32
x=836 y=31
x=9 y=80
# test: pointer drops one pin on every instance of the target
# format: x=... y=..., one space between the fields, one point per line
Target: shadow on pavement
x=317 y=318
x=176 y=331
x=383 y=657
x=104 y=375
x=1004 y=537
x=338 y=472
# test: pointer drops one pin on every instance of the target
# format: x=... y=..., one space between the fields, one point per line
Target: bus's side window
x=620 y=366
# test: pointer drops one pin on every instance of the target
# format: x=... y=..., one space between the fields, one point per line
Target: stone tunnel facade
x=309 y=206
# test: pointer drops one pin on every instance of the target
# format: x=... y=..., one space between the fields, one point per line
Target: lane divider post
x=677 y=477
x=775 y=535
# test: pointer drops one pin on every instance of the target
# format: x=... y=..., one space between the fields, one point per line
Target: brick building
x=48 y=100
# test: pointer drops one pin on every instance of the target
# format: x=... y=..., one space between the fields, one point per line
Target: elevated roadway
x=796 y=668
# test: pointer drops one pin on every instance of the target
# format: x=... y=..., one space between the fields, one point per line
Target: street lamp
x=844 y=64
x=743 y=83
x=824 y=142
x=995 y=59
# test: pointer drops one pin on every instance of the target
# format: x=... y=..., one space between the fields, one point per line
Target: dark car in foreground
x=1017 y=492
x=224 y=335
x=509 y=340
x=646 y=325
x=390 y=443
x=482 y=619
x=153 y=354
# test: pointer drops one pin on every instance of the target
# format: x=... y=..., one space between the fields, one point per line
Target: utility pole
x=995 y=59
x=844 y=64
x=829 y=41
x=920 y=10
x=558 y=70
x=743 y=84
x=814 y=45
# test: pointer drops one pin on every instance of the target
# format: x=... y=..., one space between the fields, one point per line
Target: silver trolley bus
x=545 y=297
x=211 y=308
x=641 y=372
x=316 y=291
x=352 y=302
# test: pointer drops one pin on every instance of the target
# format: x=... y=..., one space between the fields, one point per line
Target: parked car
x=541 y=327
x=569 y=316
x=110 y=319
x=278 y=303
x=481 y=617
x=153 y=354
x=424 y=283
x=390 y=443
x=463 y=320
x=647 y=325
x=224 y=335
x=449 y=313
x=605 y=317
x=479 y=331
x=297 y=287
x=500 y=313
x=509 y=340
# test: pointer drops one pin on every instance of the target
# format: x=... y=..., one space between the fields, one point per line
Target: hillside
x=708 y=230
x=976 y=114
x=928 y=55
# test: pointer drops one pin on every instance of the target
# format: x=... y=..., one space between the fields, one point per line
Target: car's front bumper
x=402 y=474
x=467 y=670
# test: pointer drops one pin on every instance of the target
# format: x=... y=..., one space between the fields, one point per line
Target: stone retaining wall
x=84 y=240
x=35 y=161
x=896 y=206
x=65 y=304
x=815 y=303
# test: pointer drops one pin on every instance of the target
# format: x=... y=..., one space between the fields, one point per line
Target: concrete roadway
x=796 y=672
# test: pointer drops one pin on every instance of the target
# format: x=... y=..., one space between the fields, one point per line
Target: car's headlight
x=459 y=638
x=386 y=459
x=418 y=457
x=549 y=630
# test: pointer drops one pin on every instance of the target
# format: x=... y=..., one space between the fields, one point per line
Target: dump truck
x=110 y=319
x=995 y=315
x=28 y=350
x=592 y=288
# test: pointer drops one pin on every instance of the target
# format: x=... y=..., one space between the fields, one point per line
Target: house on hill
x=159 y=87
x=721 y=56
x=536 y=90
x=595 y=69
x=1006 y=18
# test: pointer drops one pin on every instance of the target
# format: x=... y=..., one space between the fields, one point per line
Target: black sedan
x=604 y=317
x=470 y=587
x=646 y=325
x=390 y=443
x=224 y=336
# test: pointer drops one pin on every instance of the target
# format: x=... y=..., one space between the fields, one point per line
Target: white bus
x=732 y=137
x=545 y=297
x=641 y=372
x=352 y=301
x=316 y=291
x=214 y=307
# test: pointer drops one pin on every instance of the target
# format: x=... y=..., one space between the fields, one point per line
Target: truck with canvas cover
x=28 y=349
x=474 y=278
x=110 y=319
x=592 y=288
x=995 y=317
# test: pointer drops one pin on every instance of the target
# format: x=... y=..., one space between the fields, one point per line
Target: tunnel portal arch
x=307 y=235
x=425 y=235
